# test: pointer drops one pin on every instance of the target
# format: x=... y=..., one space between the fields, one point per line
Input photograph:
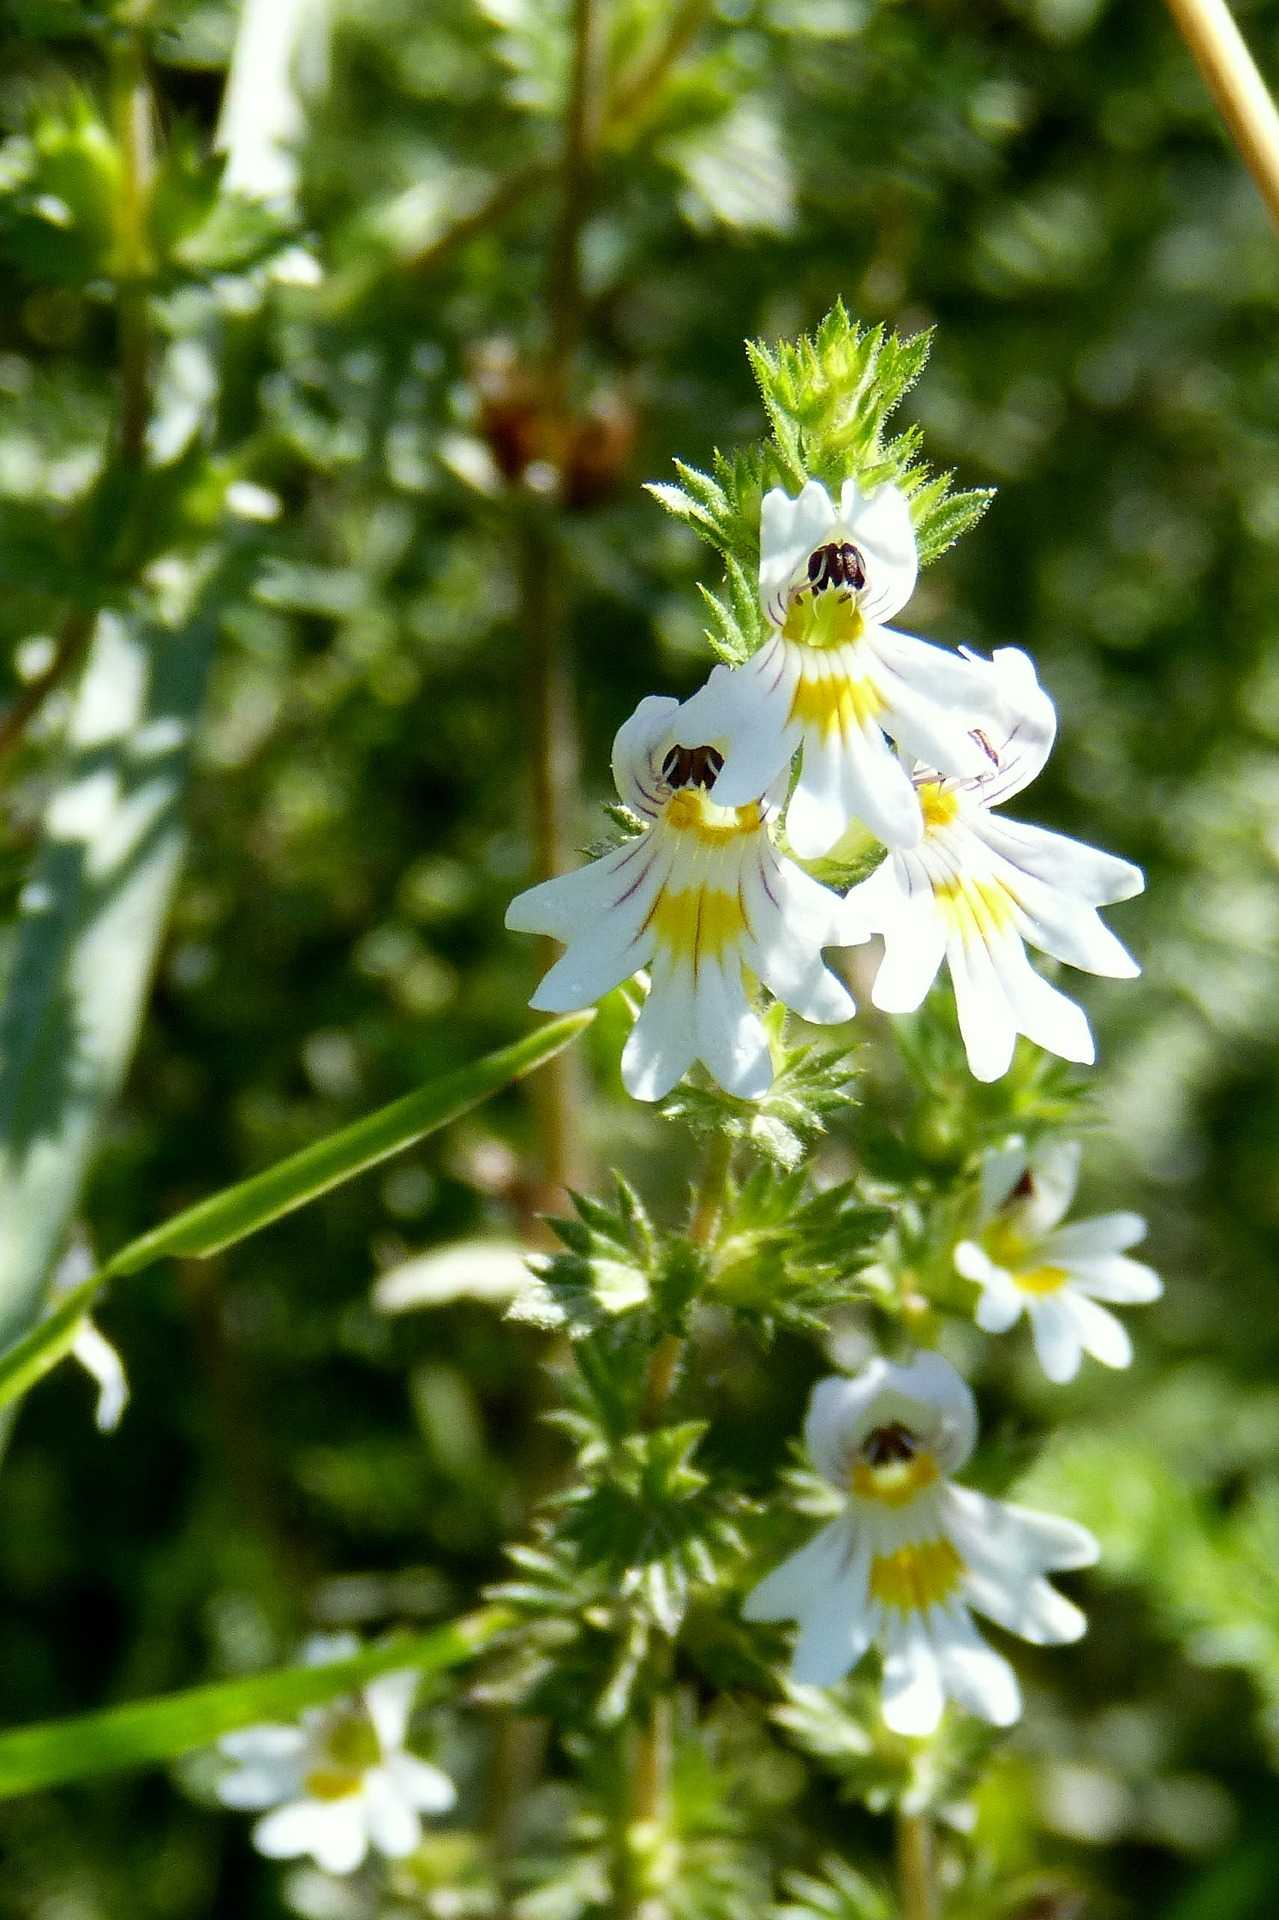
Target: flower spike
x=912 y=1554
x=1025 y=1260
x=834 y=680
x=977 y=887
x=697 y=897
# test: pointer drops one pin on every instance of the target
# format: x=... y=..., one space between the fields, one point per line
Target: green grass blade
x=151 y=1732
x=241 y=1210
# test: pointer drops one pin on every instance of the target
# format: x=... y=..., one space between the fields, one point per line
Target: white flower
x=977 y=886
x=834 y=680
x=697 y=897
x=340 y=1781
x=911 y=1554
x=1024 y=1260
x=280 y=57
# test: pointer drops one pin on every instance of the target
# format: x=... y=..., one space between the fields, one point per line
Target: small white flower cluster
x=921 y=747
x=911 y=1554
x=340 y=1781
x=919 y=744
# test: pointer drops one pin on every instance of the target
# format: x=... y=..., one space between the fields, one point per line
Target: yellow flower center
x=823 y=620
x=975 y=906
x=834 y=703
x=350 y=1748
x=697 y=923
x=916 y=1577
x=895 y=1482
x=1041 y=1280
x=939 y=804
x=692 y=811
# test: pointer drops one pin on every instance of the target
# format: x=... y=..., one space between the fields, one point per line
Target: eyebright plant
x=834 y=780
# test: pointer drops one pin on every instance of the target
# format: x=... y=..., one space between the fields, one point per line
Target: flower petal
x=1104 y=1337
x=903 y=907
x=1126 y=1283
x=786 y=1592
x=789 y=530
x=393 y=1824
x=973 y=1674
x=986 y=1021
x=425 y=1787
x=270 y=1741
x=999 y=1308
x=1001 y=1170
x=562 y=907
x=638 y=748
x=1022 y=735
x=1015 y=1538
x=662 y=1044
x=390 y=1699
x=332 y=1832
x=1054 y=1169
x=926 y=1394
x=1095 y=1238
x=913 y=1696
x=731 y=1041
x=880 y=527
x=1043 y=1014
x=1067 y=866
x=259 y=1784
x=744 y=713
x=792 y=919
x=937 y=702
x=1058 y=1344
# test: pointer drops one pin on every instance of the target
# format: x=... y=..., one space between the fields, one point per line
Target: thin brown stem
x=635 y=90
x=1231 y=76
x=555 y=780
x=509 y=194
x=77 y=631
x=564 y=289
x=916 y=1878
x=134 y=115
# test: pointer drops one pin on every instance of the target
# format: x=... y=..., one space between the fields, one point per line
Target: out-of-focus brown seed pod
x=588 y=448
x=600 y=446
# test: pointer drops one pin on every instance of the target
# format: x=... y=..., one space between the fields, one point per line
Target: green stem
x=649 y=1778
x=916 y=1882
x=555 y=783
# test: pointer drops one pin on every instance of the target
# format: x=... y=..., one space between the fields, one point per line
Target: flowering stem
x=915 y=1882
x=708 y=1206
x=651 y=1757
x=1230 y=74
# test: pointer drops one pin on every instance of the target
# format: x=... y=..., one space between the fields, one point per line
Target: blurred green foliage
x=1044 y=182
